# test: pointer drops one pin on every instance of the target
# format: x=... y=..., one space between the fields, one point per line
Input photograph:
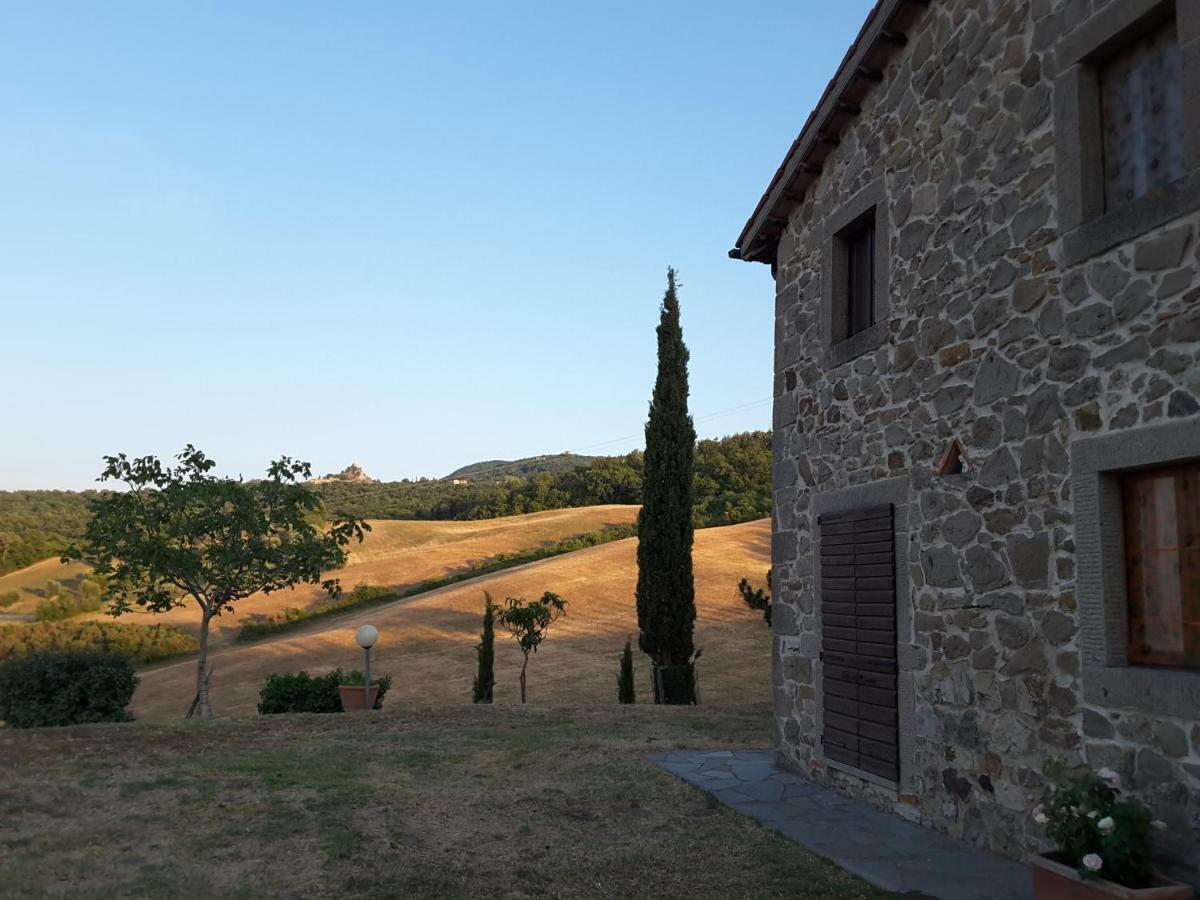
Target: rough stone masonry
x=1005 y=332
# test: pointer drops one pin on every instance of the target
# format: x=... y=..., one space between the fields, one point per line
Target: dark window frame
x=842 y=338
x=1087 y=225
x=1097 y=466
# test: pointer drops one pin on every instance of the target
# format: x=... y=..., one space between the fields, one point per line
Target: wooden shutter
x=1162 y=563
x=858 y=640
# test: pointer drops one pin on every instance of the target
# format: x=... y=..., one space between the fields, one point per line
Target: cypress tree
x=625 y=692
x=485 y=678
x=666 y=595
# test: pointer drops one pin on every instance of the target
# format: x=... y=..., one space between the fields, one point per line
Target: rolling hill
x=395 y=554
x=427 y=641
x=497 y=469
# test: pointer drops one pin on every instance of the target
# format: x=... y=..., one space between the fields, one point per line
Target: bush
x=141 y=643
x=304 y=693
x=65 y=606
x=301 y=692
x=1097 y=831
x=8 y=598
x=757 y=598
x=66 y=688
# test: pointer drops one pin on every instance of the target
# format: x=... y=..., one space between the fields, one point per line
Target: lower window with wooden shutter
x=858 y=640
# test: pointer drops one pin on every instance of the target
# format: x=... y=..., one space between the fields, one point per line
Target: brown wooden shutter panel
x=858 y=640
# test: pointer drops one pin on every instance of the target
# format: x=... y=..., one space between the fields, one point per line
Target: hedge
x=141 y=643
x=66 y=688
x=304 y=693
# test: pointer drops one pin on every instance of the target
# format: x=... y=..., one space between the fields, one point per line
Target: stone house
x=985 y=244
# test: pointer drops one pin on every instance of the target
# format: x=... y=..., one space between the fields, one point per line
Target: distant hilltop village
x=352 y=472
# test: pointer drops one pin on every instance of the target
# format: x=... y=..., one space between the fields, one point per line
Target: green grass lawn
x=461 y=802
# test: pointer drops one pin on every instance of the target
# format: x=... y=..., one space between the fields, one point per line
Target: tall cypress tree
x=485 y=678
x=666 y=594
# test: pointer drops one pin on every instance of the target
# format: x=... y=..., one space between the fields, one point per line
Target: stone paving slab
x=884 y=849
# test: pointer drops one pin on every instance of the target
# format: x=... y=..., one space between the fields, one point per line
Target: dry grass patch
x=459 y=802
x=427 y=642
x=395 y=554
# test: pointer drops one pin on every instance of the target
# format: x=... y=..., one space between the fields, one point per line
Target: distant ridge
x=499 y=469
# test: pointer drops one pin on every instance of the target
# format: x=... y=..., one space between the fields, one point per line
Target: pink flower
x=1093 y=863
x=1110 y=778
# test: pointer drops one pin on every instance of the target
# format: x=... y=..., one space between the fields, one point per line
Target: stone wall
x=993 y=340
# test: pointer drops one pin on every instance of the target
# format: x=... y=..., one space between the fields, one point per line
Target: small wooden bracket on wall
x=955 y=460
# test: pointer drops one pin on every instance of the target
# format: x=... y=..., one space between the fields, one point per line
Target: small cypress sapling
x=485 y=678
x=625 y=692
x=757 y=598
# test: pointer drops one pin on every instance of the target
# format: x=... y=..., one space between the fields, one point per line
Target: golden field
x=427 y=642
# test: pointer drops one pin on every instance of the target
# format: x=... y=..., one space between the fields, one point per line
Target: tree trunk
x=523 y=667
x=675 y=684
x=200 y=707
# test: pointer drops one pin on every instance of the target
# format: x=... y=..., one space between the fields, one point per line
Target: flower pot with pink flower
x=1105 y=842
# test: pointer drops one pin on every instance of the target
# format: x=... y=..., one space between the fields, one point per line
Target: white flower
x=1092 y=814
x=1092 y=862
x=1106 y=824
x=1159 y=824
x=1041 y=818
x=1109 y=777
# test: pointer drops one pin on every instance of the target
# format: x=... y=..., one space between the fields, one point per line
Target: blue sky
x=411 y=236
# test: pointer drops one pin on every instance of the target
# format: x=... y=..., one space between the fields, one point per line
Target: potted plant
x=354 y=691
x=1104 y=843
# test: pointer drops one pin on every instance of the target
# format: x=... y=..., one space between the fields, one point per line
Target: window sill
x=1132 y=220
x=856 y=345
x=1160 y=692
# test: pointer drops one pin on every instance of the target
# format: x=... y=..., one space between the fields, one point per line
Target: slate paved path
x=884 y=849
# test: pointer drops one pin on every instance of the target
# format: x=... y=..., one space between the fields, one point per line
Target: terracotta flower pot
x=354 y=697
x=1054 y=880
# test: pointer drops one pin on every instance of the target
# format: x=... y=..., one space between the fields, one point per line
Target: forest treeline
x=39 y=524
x=733 y=484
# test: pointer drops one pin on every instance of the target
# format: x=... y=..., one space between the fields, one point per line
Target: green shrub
x=301 y=692
x=8 y=598
x=66 y=688
x=757 y=598
x=141 y=643
x=304 y=693
x=65 y=606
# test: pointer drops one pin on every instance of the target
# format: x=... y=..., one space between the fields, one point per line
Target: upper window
x=1126 y=123
x=1141 y=100
x=854 y=276
x=859 y=259
x=1162 y=565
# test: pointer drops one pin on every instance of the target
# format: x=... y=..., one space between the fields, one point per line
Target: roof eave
x=882 y=34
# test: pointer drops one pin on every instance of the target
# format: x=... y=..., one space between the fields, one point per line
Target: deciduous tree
x=181 y=533
x=529 y=622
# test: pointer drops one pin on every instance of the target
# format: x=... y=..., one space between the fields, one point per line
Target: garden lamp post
x=367 y=635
